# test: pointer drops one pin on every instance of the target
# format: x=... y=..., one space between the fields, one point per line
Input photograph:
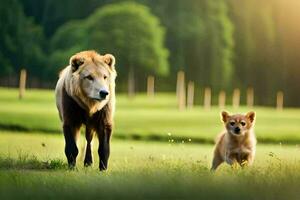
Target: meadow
x=147 y=119
x=152 y=156
x=32 y=166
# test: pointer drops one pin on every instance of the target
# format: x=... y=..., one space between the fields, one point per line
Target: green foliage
x=224 y=44
x=257 y=53
x=133 y=34
x=21 y=41
x=220 y=35
x=70 y=35
x=200 y=36
x=118 y=29
x=52 y=14
x=68 y=40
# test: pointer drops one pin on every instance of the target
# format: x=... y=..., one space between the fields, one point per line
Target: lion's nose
x=103 y=94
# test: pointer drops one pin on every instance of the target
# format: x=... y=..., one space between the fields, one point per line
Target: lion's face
x=94 y=81
x=93 y=77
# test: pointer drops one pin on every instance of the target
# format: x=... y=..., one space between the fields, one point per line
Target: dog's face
x=238 y=125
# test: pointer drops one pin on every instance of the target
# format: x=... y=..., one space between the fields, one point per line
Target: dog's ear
x=76 y=62
x=251 y=116
x=224 y=116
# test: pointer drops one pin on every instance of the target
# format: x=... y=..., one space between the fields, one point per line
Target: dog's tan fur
x=235 y=148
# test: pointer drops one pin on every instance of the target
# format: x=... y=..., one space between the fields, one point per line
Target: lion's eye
x=89 y=77
x=232 y=123
x=243 y=123
x=105 y=77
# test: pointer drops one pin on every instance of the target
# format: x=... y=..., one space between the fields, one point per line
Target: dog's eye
x=232 y=123
x=105 y=77
x=89 y=77
x=243 y=123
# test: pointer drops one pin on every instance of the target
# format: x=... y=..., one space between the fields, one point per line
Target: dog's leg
x=250 y=158
x=217 y=160
x=247 y=159
x=231 y=159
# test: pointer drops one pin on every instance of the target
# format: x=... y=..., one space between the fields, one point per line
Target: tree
x=214 y=42
x=68 y=40
x=220 y=36
x=127 y=30
x=52 y=14
x=200 y=39
x=288 y=31
x=257 y=53
x=134 y=35
x=21 y=41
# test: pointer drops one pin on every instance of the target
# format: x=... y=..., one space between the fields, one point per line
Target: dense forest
x=222 y=44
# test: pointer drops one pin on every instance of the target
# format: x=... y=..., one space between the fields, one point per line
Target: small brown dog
x=237 y=144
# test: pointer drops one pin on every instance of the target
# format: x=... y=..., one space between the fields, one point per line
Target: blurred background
x=222 y=45
x=181 y=62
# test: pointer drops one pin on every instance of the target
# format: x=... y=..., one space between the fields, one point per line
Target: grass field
x=33 y=165
x=143 y=118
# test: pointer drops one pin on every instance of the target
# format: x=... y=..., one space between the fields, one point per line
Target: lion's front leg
x=71 y=134
x=88 y=160
x=104 y=135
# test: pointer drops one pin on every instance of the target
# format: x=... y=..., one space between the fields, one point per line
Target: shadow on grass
x=157 y=137
x=16 y=128
x=27 y=162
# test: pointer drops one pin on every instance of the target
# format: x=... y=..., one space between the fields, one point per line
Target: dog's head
x=238 y=124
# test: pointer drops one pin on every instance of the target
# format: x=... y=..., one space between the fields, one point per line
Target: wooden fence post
x=250 y=97
x=181 y=90
x=180 y=74
x=190 y=94
x=236 y=98
x=22 y=83
x=150 y=86
x=207 y=98
x=279 y=104
x=131 y=83
x=222 y=99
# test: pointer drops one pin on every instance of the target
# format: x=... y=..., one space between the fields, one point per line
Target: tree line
x=222 y=44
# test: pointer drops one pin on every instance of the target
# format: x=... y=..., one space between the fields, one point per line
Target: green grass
x=32 y=166
x=144 y=118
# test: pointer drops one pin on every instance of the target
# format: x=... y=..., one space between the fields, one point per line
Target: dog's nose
x=103 y=94
x=237 y=130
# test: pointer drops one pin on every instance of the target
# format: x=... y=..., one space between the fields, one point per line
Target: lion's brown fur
x=77 y=108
